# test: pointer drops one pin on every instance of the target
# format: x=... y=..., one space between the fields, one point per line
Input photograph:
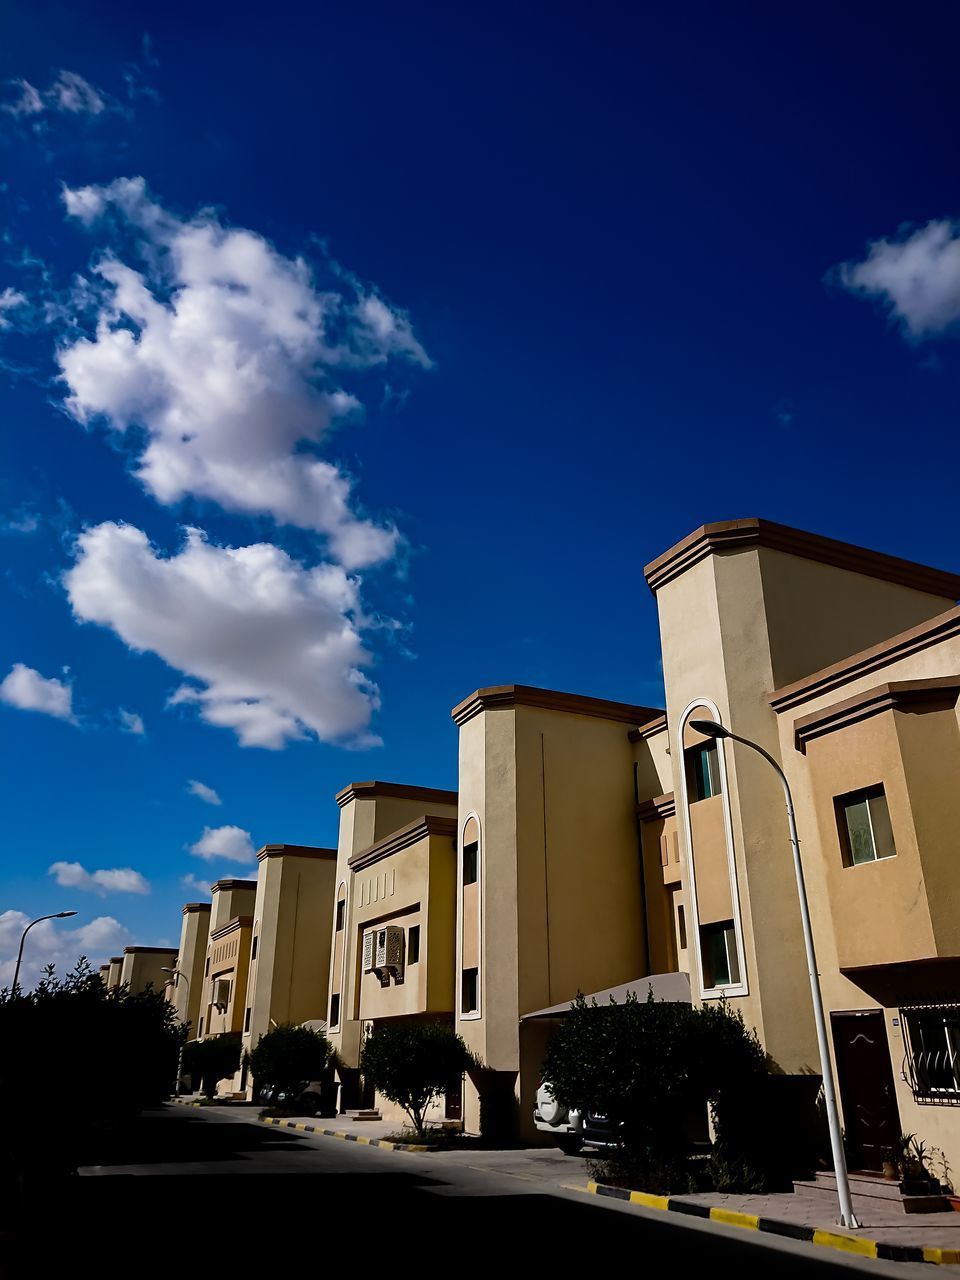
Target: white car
x=550 y=1116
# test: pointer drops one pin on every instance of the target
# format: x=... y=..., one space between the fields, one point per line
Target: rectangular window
x=200 y=1032
x=413 y=945
x=341 y=913
x=335 y=1010
x=865 y=831
x=253 y=952
x=246 y=1020
x=934 y=1057
x=469 y=991
x=681 y=927
x=718 y=954
x=703 y=771
x=471 y=868
x=206 y=968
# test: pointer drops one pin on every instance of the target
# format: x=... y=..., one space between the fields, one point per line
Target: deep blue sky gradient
x=613 y=228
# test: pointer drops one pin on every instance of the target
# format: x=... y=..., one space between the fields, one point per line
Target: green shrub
x=412 y=1063
x=212 y=1059
x=288 y=1056
x=652 y=1065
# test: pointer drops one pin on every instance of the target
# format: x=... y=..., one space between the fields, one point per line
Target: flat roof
x=499 y=696
x=233 y=884
x=295 y=851
x=735 y=535
x=150 y=951
x=395 y=790
x=412 y=833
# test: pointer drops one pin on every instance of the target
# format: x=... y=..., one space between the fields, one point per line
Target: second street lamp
x=711 y=729
x=57 y=915
x=178 y=974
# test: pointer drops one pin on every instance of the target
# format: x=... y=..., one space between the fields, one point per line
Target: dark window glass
x=469 y=991
x=718 y=954
x=253 y=953
x=935 y=1050
x=246 y=1021
x=682 y=927
x=413 y=945
x=703 y=771
x=341 y=912
x=335 y=1011
x=471 y=863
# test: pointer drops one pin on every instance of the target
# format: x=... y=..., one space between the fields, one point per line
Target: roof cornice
x=189 y=907
x=394 y=790
x=898 y=695
x=945 y=626
x=659 y=807
x=296 y=851
x=238 y=922
x=149 y=951
x=501 y=696
x=412 y=833
x=237 y=885
x=649 y=730
x=738 y=535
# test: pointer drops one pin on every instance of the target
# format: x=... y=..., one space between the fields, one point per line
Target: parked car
x=562 y=1123
x=599 y=1130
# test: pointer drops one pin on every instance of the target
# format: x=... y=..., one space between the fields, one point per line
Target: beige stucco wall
x=143 y=967
x=187 y=992
x=289 y=978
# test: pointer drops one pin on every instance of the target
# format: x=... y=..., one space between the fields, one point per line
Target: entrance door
x=870 y=1115
x=453 y=1109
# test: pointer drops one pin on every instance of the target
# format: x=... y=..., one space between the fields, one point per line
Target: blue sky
x=434 y=323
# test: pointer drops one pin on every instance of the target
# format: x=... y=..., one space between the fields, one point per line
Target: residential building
x=186 y=989
x=227 y=958
x=143 y=967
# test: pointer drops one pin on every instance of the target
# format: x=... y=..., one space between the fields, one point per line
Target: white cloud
x=10 y=299
x=203 y=792
x=229 y=357
x=130 y=722
x=22 y=521
x=224 y=842
x=197 y=885
x=69 y=94
x=917 y=278
x=53 y=943
x=71 y=875
x=275 y=646
x=27 y=689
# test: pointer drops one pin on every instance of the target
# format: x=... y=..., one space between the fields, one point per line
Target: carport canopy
x=672 y=987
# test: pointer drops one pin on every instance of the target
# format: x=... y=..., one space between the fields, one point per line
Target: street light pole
x=711 y=729
x=178 y=974
x=57 y=915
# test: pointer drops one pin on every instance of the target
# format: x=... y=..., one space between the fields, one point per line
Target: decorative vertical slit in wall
x=546 y=867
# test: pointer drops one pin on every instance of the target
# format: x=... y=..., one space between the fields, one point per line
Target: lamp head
x=710 y=728
x=62 y=915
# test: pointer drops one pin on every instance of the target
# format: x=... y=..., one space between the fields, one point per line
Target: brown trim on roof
x=233 y=884
x=395 y=790
x=735 y=535
x=148 y=951
x=188 y=907
x=903 y=645
x=659 y=807
x=238 y=922
x=500 y=696
x=296 y=851
x=898 y=695
x=643 y=732
x=116 y=959
x=412 y=833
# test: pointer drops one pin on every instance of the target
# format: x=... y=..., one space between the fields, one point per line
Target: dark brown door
x=454 y=1101
x=871 y=1119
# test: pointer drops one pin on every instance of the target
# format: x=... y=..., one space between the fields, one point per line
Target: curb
x=750 y=1221
x=360 y=1138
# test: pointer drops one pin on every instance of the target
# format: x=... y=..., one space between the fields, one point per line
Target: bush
x=289 y=1057
x=412 y=1063
x=109 y=1053
x=651 y=1066
x=212 y=1059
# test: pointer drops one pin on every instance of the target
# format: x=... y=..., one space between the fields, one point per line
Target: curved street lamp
x=57 y=915
x=178 y=974
x=711 y=729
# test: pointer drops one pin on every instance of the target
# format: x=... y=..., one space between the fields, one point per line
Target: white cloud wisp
x=203 y=792
x=72 y=875
x=917 y=278
x=232 y=843
x=273 y=648
x=27 y=689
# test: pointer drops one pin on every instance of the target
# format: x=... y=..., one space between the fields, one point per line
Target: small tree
x=288 y=1057
x=412 y=1063
x=212 y=1059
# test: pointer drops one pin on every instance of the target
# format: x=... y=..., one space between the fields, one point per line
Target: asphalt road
x=198 y=1192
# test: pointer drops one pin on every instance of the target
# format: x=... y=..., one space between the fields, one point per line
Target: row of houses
x=590 y=843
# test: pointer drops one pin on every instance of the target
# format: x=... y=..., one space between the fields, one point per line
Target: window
x=703 y=771
x=206 y=968
x=469 y=991
x=335 y=1010
x=865 y=831
x=718 y=953
x=413 y=945
x=200 y=1032
x=341 y=914
x=934 y=1052
x=471 y=863
x=253 y=952
x=246 y=1021
x=681 y=927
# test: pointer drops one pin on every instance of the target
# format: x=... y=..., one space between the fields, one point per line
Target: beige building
x=186 y=988
x=227 y=958
x=143 y=967
x=597 y=842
